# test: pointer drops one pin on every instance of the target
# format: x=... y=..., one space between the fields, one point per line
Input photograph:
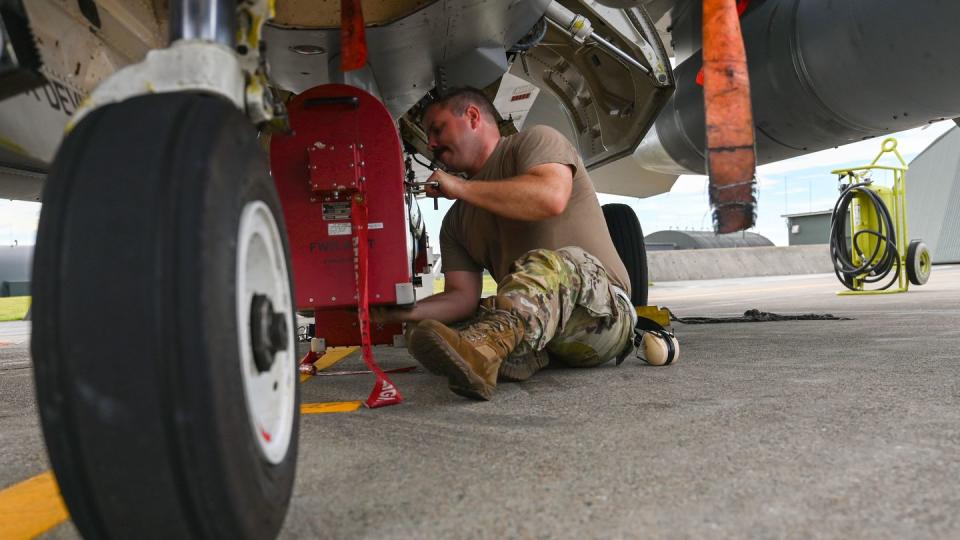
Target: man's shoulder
x=540 y=144
x=538 y=132
x=540 y=138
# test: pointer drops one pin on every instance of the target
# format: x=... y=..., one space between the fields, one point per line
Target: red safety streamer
x=742 y=6
x=353 y=40
x=728 y=115
x=384 y=392
x=307 y=366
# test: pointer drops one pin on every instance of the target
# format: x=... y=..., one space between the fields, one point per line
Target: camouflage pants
x=569 y=307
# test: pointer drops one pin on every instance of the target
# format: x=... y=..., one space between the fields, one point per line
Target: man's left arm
x=541 y=192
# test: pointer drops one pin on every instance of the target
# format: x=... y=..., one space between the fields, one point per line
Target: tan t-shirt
x=473 y=239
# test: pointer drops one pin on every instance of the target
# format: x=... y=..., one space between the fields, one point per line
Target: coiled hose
x=885 y=256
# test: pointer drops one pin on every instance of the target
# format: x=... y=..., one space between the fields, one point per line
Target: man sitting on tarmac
x=530 y=216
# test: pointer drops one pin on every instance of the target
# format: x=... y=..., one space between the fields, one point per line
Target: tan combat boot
x=469 y=358
x=520 y=367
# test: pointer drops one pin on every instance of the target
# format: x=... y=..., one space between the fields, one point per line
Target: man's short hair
x=458 y=99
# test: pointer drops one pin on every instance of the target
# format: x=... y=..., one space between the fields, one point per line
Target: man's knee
x=575 y=254
x=575 y=354
x=555 y=257
x=539 y=271
x=538 y=259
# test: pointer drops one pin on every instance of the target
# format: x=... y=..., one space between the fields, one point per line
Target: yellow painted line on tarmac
x=31 y=507
x=331 y=357
x=330 y=407
x=34 y=506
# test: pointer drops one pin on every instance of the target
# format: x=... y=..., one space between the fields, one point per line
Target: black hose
x=885 y=256
x=755 y=315
x=416 y=158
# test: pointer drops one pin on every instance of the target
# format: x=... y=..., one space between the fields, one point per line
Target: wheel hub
x=268 y=332
x=265 y=321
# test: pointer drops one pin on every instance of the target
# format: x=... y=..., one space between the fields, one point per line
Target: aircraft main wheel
x=627 y=237
x=919 y=263
x=163 y=335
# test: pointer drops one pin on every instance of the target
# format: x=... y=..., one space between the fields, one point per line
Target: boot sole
x=435 y=354
x=519 y=370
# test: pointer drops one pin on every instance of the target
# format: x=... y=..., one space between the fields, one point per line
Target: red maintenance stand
x=340 y=176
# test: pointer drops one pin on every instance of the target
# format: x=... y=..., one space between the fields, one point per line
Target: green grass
x=14 y=308
x=489 y=285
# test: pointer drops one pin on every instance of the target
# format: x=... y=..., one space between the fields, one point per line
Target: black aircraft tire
x=918 y=262
x=155 y=425
x=627 y=237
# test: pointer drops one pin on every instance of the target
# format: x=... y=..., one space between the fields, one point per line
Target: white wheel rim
x=923 y=264
x=262 y=269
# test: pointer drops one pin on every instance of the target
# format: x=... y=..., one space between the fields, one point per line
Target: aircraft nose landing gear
x=178 y=419
x=163 y=303
x=163 y=321
x=163 y=324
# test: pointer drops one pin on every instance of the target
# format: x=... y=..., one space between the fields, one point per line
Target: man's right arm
x=457 y=302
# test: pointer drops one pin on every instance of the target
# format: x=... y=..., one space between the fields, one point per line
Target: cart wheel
x=627 y=237
x=163 y=325
x=918 y=262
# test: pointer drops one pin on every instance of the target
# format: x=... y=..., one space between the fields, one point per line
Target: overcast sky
x=800 y=184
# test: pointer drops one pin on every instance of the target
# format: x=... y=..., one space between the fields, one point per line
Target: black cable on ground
x=877 y=265
x=755 y=315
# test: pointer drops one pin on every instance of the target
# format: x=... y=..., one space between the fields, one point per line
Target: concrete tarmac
x=832 y=429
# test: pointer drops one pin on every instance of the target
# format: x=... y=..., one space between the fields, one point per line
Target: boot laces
x=492 y=326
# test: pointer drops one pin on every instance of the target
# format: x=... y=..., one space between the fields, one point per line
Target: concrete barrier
x=681 y=265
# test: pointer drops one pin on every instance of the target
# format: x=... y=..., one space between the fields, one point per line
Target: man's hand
x=448 y=185
x=458 y=301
